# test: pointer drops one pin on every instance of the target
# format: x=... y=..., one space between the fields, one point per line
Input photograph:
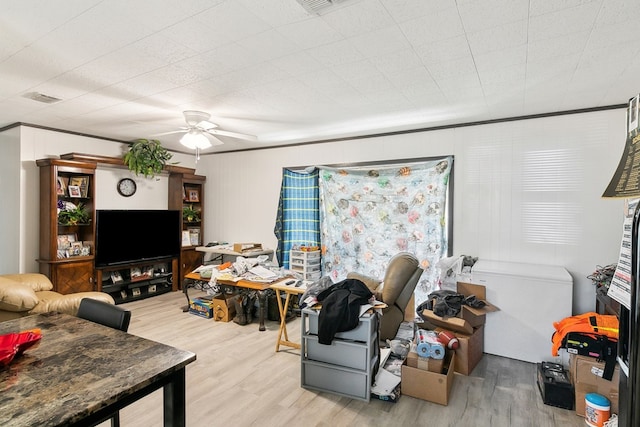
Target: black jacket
x=341 y=308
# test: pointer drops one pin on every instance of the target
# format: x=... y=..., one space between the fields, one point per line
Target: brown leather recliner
x=31 y=293
x=395 y=290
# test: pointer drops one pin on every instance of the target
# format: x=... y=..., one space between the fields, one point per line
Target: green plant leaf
x=146 y=157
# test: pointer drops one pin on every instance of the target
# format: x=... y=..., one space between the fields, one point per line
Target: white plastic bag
x=449 y=269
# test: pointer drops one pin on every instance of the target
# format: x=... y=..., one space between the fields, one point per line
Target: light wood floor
x=239 y=380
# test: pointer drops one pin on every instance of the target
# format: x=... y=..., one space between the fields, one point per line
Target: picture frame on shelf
x=116 y=277
x=186 y=240
x=82 y=182
x=65 y=241
x=123 y=294
x=194 y=195
x=61 y=186
x=74 y=191
x=75 y=249
x=89 y=245
x=194 y=236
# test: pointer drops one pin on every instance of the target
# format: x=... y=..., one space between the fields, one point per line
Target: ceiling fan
x=200 y=133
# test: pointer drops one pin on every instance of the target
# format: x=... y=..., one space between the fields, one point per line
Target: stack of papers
x=263 y=273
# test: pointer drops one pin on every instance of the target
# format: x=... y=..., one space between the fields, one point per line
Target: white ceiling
x=126 y=69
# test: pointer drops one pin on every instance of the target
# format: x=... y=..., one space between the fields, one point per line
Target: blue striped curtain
x=298 y=217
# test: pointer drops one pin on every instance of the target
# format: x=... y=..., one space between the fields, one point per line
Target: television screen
x=128 y=236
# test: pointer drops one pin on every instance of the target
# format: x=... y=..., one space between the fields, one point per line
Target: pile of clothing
x=446 y=303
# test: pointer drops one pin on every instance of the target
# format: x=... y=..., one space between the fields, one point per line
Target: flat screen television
x=128 y=236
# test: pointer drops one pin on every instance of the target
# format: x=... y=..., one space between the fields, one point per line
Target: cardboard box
x=468 y=318
x=470 y=351
x=202 y=308
x=428 y=385
x=586 y=375
x=246 y=247
x=223 y=308
x=424 y=363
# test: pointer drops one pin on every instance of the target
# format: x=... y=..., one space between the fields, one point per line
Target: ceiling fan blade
x=206 y=125
x=213 y=139
x=232 y=134
x=169 y=133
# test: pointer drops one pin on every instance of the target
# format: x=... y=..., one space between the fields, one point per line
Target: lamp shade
x=195 y=139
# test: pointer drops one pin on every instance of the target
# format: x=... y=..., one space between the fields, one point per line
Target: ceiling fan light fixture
x=194 y=139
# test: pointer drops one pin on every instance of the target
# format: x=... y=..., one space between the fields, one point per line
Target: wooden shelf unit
x=70 y=269
x=188 y=189
x=163 y=280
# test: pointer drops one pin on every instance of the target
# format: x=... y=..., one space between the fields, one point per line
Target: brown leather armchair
x=395 y=290
x=31 y=293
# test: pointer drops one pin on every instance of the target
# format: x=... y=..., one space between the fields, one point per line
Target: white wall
x=524 y=191
x=10 y=217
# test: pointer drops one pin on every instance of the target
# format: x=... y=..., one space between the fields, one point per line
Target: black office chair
x=104 y=313
x=108 y=315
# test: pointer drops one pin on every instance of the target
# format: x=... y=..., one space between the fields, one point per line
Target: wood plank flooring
x=239 y=380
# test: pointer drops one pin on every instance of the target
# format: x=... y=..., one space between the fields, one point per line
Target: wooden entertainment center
x=66 y=250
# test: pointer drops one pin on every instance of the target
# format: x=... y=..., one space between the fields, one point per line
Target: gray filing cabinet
x=346 y=367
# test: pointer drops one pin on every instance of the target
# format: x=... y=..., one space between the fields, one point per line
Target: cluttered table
x=261 y=287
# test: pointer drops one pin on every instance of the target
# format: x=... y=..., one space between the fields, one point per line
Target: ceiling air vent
x=317 y=6
x=41 y=97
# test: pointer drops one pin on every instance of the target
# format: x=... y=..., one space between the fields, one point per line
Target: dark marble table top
x=78 y=368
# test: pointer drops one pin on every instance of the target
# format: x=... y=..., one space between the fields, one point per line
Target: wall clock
x=127 y=187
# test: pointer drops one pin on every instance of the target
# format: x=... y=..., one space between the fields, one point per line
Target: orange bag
x=587 y=323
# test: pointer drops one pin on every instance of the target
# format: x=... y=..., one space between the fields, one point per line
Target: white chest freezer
x=530 y=298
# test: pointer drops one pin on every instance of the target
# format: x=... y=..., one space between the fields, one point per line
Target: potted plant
x=74 y=216
x=189 y=214
x=146 y=157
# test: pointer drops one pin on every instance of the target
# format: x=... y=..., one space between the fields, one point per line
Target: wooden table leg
x=283 y=323
x=282 y=318
x=262 y=308
x=185 y=289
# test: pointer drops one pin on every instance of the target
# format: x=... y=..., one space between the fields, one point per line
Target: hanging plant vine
x=146 y=157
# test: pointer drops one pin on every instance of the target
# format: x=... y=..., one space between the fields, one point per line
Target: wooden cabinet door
x=189 y=261
x=71 y=277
